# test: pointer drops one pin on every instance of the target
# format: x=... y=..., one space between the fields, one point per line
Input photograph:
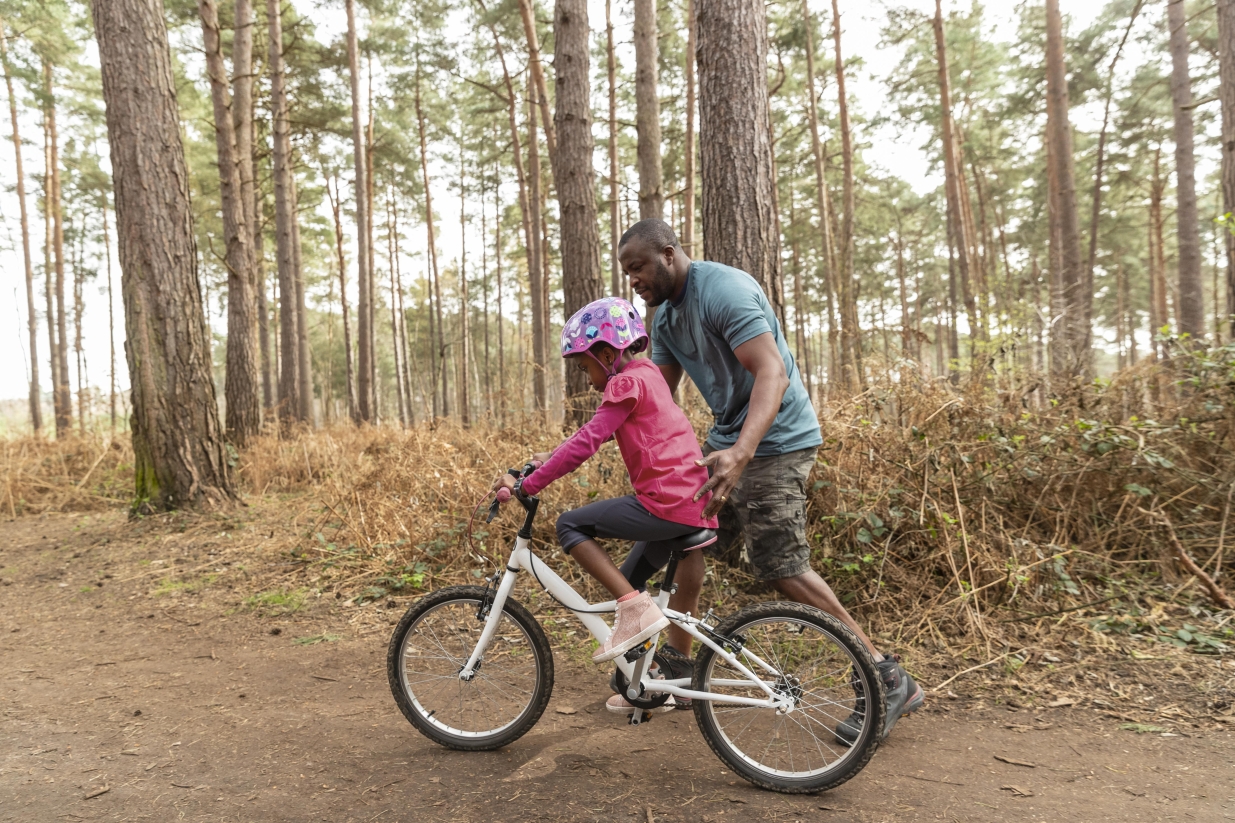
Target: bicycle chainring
x=618 y=683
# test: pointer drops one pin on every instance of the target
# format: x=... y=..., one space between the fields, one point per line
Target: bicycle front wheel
x=826 y=671
x=509 y=690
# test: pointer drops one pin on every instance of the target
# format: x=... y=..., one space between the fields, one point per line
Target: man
x=714 y=323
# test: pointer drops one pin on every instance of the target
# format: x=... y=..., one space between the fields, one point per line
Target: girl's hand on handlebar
x=504 y=481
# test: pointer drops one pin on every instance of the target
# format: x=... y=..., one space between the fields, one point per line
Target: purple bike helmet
x=609 y=320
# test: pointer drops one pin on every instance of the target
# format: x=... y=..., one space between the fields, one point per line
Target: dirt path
x=179 y=707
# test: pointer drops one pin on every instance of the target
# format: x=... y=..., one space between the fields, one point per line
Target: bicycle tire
x=456 y=607
x=853 y=660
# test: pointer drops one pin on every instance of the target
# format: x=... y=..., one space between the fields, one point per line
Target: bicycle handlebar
x=504 y=494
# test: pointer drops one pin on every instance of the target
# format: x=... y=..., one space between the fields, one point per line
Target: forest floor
x=147 y=672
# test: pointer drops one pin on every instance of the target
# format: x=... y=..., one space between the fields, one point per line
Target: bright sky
x=896 y=152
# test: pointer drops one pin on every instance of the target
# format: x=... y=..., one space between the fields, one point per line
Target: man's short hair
x=656 y=233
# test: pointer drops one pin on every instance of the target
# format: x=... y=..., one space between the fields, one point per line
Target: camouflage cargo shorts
x=767 y=509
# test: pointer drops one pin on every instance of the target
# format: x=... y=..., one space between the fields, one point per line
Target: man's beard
x=661 y=288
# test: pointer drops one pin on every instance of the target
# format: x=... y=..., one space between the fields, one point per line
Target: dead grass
x=959 y=522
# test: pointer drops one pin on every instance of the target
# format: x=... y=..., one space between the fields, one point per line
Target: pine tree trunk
x=371 y=274
x=735 y=150
x=63 y=393
x=285 y=217
x=263 y=305
x=78 y=310
x=615 y=230
x=822 y=201
x=111 y=318
x=1076 y=300
x=394 y=309
x=958 y=235
x=851 y=338
x=335 y=208
x=1226 y=93
x=240 y=387
x=647 y=112
x=574 y=179
x=439 y=344
x=688 y=161
x=1160 y=315
x=49 y=273
x=535 y=268
x=1100 y=161
x=365 y=392
x=177 y=441
x=304 y=373
x=540 y=89
x=401 y=341
x=465 y=332
x=1191 y=309
x=32 y=319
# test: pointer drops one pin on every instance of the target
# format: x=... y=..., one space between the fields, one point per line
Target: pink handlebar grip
x=503 y=494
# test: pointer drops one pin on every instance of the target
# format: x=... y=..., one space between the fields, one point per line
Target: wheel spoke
x=812 y=664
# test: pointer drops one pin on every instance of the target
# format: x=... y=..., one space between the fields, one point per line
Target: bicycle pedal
x=638 y=651
x=638 y=717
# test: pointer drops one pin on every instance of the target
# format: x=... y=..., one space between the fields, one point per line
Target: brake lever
x=494 y=507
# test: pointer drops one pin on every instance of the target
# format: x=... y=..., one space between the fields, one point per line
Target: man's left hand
x=727 y=466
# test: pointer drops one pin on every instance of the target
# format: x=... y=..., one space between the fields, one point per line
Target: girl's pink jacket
x=656 y=441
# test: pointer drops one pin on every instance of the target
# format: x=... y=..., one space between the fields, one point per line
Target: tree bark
x=688 y=187
x=177 y=441
x=394 y=309
x=615 y=230
x=335 y=208
x=574 y=179
x=822 y=200
x=1076 y=300
x=851 y=338
x=1191 y=308
x=1226 y=92
x=1100 y=162
x=958 y=235
x=735 y=149
x=111 y=317
x=263 y=306
x=304 y=373
x=32 y=319
x=63 y=392
x=535 y=269
x=524 y=207
x=401 y=340
x=440 y=342
x=49 y=274
x=285 y=216
x=647 y=112
x=365 y=390
x=465 y=332
x=537 y=78
x=241 y=381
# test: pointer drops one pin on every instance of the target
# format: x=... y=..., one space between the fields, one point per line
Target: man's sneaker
x=680 y=667
x=903 y=696
x=636 y=620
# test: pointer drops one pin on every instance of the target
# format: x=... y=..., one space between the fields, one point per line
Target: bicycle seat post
x=671 y=570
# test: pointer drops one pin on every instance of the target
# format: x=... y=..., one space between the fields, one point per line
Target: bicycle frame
x=524 y=559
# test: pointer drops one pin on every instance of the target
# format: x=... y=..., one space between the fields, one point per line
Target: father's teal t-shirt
x=720 y=309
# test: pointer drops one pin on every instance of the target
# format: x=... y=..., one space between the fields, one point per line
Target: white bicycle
x=471 y=669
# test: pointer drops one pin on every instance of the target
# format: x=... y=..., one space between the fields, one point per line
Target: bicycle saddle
x=694 y=540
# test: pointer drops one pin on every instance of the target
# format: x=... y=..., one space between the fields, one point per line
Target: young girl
x=658 y=447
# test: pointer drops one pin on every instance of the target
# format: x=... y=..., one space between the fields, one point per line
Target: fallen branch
x=979 y=666
x=1221 y=599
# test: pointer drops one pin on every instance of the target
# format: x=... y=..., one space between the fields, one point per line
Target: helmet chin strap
x=610 y=371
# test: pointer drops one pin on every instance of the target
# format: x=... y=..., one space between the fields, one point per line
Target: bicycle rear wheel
x=826 y=670
x=511 y=685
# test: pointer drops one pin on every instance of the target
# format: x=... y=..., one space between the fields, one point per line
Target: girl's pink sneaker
x=636 y=620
